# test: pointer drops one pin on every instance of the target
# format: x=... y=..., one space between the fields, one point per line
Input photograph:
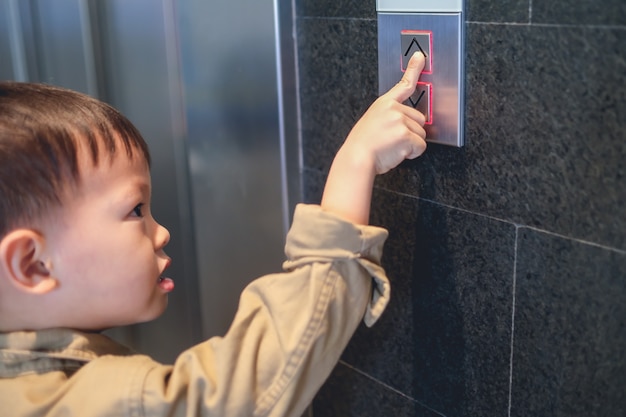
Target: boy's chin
x=148 y=316
x=153 y=314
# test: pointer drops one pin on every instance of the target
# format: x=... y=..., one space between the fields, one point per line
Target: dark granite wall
x=508 y=256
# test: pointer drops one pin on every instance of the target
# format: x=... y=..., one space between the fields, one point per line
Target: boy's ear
x=21 y=252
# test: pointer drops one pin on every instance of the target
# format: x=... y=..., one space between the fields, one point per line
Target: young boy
x=80 y=252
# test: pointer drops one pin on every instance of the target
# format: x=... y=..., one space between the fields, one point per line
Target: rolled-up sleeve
x=289 y=331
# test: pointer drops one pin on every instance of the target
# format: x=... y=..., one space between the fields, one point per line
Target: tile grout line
x=577 y=240
x=548 y=25
x=392 y=389
x=511 y=222
x=513 y=292
x=528 y=23
x=530 y=12
x=448 y=206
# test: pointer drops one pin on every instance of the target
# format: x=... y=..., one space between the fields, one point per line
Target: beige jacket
x=287 y=336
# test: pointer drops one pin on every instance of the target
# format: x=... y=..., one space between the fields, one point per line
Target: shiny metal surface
x=58 y=36
x=447 y=75
x=211 y=86
x=13 y=66
x=228 y=55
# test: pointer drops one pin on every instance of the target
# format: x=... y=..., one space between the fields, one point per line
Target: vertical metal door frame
x=289 y=107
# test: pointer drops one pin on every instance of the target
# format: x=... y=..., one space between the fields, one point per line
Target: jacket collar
x=52 y=349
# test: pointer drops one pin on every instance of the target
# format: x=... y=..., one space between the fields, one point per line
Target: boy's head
x=78 y=244
x=41 y=130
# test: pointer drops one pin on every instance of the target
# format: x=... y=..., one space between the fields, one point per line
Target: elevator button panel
x=438 y=33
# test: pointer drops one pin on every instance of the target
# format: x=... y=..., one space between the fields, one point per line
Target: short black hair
x=41 y=127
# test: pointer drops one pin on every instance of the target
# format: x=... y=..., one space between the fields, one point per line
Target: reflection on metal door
x=203 y=83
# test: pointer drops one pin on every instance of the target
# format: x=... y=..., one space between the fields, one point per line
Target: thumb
x=403 y=90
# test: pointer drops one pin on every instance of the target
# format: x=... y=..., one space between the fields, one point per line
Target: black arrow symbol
x=414 y=41
x=418 y=99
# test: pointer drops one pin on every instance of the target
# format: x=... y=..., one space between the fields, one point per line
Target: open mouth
x=165 y=283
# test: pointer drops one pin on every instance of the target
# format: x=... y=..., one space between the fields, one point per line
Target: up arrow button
x=413 y=41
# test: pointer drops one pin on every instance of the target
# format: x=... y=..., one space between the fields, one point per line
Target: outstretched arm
x=388 y=133
x=291 y=328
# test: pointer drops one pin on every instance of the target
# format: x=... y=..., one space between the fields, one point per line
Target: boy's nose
x=162 y=236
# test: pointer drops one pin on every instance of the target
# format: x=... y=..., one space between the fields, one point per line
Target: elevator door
x=231 y=98
x=199 y=79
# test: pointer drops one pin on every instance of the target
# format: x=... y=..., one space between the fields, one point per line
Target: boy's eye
x=138 y=210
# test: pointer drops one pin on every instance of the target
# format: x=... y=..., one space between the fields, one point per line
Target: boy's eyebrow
x=144 y=186
x=137 y=186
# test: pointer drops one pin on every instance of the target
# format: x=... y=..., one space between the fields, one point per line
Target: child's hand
x=391 y=131
x=387 y=134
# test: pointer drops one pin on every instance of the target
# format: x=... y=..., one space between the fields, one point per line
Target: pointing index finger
x=403 y=90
